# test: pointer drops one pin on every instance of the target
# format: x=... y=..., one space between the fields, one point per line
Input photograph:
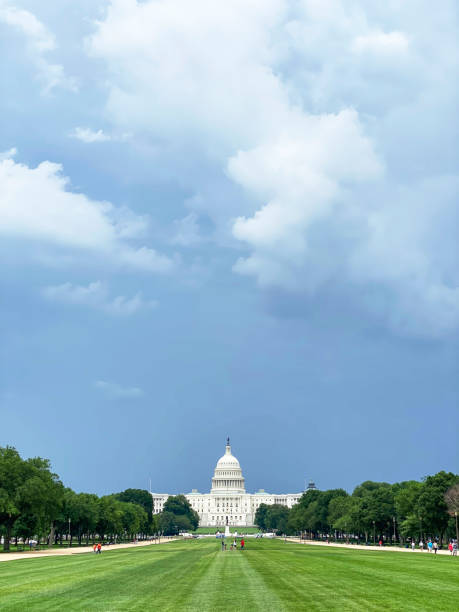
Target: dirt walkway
x=73 y=551
x=368 y=548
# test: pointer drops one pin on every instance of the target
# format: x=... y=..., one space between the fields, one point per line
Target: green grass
x=270 y=575
x=213 y=530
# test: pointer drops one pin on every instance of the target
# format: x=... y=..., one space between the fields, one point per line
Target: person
x=421 y=545
x=430 y=545
x=455 y=548
x=380 y=542
x=450 y=548
x=413 y=545
x=435 y=547
x=95 y=547
x=242 y=544
x=223 y=544
x=99 y=548
x=234 y=544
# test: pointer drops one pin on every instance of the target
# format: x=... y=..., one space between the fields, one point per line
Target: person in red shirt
x=242 y=544
x=99 y=548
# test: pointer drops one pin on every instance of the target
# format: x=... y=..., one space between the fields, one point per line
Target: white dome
x=228 y=460
x=228 y=474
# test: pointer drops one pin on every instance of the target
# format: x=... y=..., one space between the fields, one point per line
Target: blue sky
x=229 y=220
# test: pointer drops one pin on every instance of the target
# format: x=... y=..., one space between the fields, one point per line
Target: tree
x=169 y=524
x=406 y=495
x=337 y=508
x=276 y=518
x=12 y=475
x=83 y=511
x=260 y=516
x=180 y=506
x=304 y=516
x=27 y=489
x=133 y=518
x=142 y=498
x=452 y=503
x=110 y=521
x=377 y=507
x=431 y=505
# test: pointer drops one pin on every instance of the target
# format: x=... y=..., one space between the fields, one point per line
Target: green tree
x=28 y=488
x=142 y=498
x=180 y=506
x=260 y=516
x=377 y=507
x=276 y=518
x=431 y=505
x=110 y=522
x=133 y=518
x=452 y=503
x=406 y=496
x=171 y=524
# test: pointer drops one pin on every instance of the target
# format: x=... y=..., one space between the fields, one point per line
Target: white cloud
x=186 y=231
x=95 y=295
x=325 y=114
x=116 y=391
x=385 y=43
x=36 y=204
x=8 y=154
x=39 y=42
x=89 y=136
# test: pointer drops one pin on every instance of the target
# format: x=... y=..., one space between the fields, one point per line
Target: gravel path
x=363 y=547
x=77 y=550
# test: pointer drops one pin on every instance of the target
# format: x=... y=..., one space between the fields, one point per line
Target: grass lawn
x=196 y=575
x=239 y=530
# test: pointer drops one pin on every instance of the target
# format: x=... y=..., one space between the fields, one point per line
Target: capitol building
x=228 y=503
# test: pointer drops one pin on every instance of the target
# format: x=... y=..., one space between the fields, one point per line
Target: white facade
x=228 y=503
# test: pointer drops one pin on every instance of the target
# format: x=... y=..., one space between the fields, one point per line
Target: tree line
x=35 y=504
x=375 y=511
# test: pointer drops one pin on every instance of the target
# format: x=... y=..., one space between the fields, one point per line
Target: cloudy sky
x=232 y=218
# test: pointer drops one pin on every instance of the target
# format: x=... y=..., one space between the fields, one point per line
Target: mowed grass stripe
x=333 y=578
x=196 y=575
x=115 y=580
x=232 y=583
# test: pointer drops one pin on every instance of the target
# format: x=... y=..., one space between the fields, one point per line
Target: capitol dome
x=228 y=474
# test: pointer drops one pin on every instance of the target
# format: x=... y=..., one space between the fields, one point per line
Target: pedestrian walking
x=430 y=546
x=421 y=545
x=435 y=547
x=455 y=548
x=223 y=544
x=95 y=548
x=450 y=548
x=234 y=544
x=413 y=545
x=242 y=544
x=99 y=548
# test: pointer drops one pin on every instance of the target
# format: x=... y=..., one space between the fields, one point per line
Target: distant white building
x=228 y=503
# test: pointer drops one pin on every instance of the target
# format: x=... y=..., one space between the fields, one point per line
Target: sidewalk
x=367 y=548
x=75 y=550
